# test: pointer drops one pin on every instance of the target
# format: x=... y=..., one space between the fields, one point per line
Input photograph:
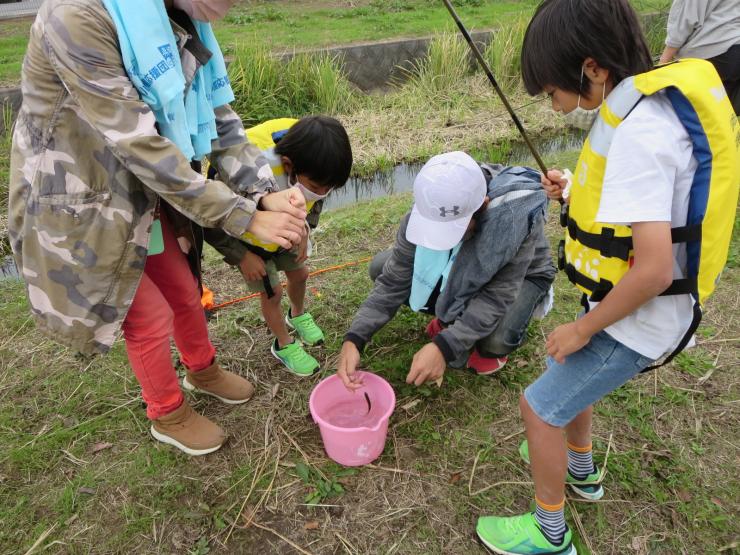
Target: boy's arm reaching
x=651 y=274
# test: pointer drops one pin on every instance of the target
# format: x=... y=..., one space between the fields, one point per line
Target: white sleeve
x=641 y=171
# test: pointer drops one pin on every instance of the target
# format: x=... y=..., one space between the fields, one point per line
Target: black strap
x=686 y=234
x=687 y=286
x=620 y=247
x=605 y=242
x=598 y=289
x=268 y=286
x=695 y=320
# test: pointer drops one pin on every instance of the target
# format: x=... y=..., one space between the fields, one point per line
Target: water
x=398 y=180
x=401 y=178
x=568 y=140
x=352 y=414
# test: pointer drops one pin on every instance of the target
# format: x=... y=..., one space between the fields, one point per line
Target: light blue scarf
x=150 y=56
x=429 y=267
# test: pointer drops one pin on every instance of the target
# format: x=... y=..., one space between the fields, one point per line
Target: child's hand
x=554 y=183
x=566 y=340
x=428 y=365
x=302 y=250
x=349 y=359
x=252 y=267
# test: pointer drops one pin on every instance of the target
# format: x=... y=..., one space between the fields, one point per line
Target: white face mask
x=204 y=10
x=581 y=117
x=309 y=195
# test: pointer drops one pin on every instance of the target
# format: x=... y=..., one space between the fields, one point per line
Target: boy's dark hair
x=563 y=33
x=318 y=147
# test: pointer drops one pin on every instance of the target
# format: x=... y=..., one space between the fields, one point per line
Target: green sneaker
x=590 y=488
x=520 y=535
x=295 y=358
x=307 y=329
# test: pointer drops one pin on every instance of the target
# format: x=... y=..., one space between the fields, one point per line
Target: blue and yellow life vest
x=595 y=256
x=265 y=136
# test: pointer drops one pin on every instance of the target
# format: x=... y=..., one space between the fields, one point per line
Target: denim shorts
x=565 y=390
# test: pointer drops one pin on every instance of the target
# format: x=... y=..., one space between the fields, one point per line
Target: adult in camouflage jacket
x=89 y=172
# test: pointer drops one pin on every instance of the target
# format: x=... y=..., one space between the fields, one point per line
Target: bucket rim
x=385 y=418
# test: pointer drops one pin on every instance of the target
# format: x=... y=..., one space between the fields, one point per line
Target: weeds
x=321 y=486
x=441 y=74
x=265 y=87
x=504 y=52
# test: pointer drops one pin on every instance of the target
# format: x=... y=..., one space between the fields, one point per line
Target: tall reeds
x=441 y=73
x=266 y=87
x=504 y=52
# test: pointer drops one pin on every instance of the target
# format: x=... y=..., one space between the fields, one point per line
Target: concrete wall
x=375 y=65
x=370 y=66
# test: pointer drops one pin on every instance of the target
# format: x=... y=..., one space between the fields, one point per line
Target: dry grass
x=451 y=453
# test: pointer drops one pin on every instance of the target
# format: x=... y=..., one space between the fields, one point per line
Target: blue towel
x=429 y=266
x=150 y=56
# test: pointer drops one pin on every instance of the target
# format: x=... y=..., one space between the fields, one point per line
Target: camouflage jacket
x=88 y=169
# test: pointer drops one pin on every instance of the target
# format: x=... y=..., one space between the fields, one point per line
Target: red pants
x=166 y=304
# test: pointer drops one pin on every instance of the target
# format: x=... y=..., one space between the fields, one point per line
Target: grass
x=267 y=88
x=313 y=23
x=79 y=474
x=78 y=463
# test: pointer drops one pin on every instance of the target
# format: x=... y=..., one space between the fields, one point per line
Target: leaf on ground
x=86 y=491
x=304 y=473
x=684 y=495
x=455 y=477
x=717 y=502
x=521 y=363
x=411 y=404
x=101 y=446
x=311 y=525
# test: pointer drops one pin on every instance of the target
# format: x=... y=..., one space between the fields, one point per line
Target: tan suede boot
x=188 y=431
x=221 y=384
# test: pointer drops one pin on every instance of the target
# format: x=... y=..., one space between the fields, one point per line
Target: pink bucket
x=353 y=425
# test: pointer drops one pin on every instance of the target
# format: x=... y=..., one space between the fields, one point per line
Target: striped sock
x=551 y=519
x=580 y=461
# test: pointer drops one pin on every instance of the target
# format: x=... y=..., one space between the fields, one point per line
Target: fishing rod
x=492 y=79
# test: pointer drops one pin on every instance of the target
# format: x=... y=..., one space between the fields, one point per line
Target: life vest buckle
x=564 y=212
x=561 y=255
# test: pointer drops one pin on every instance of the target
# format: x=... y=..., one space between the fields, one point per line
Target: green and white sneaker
x=306 y=328
x=520 y=535
x=590 y=488
x=295 y=358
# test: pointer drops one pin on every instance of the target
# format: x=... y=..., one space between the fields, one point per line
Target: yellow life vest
x=595 y=256
x=265 y=136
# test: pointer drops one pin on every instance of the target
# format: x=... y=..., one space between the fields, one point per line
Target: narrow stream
x=400 y=179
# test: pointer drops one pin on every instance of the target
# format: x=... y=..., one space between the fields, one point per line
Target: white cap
x=447 y=192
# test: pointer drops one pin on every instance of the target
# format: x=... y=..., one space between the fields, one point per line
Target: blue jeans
x=511 y=330
x=565 y=390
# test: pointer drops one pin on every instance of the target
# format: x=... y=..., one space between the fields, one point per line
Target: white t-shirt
x=649 y=171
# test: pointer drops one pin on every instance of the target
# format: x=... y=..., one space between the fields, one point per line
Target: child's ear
x=595 y=73
x=287 y=165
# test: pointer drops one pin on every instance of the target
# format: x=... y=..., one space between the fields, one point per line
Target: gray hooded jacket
x=509 y=246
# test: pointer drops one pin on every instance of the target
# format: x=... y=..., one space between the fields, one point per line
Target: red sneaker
x=484 y=366
x=434 y=327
